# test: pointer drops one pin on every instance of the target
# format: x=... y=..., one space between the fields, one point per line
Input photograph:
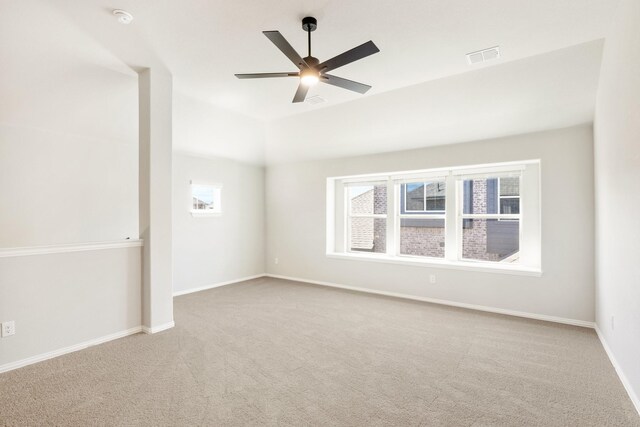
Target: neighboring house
x=369 y=234
x=488 y=240
x=200 y=204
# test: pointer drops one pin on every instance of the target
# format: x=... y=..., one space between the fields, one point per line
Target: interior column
x=155 y=128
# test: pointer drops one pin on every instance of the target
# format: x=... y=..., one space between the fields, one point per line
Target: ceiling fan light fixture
x=310 y=70
x=309 y=77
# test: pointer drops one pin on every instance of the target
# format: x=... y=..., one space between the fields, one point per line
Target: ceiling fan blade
x=301 y=93
x=359 y=52
x=284 y=46
x=265 y=75
x=344 y=83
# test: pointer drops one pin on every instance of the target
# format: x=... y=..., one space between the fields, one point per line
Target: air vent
x=484 y=55
x=315 y=100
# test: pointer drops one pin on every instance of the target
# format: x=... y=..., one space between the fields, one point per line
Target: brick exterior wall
x=423 y=241
x=474 y=240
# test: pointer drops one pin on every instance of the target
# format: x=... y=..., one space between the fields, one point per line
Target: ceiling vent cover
x=484 y=55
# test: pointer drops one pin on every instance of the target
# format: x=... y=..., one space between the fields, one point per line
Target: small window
x=206 y=199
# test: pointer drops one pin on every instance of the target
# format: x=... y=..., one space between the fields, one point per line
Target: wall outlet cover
x=8 y=328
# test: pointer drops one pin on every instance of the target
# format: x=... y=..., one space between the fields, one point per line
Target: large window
x=467 y=216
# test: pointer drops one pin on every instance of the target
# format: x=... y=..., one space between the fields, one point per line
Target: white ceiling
x=68 y=66
x=204 y=43
x=547 y=91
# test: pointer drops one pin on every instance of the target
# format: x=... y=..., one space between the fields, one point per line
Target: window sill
x=517 y=270
x=199 y=214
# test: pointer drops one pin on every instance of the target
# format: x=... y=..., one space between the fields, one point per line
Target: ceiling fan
x=311 y=70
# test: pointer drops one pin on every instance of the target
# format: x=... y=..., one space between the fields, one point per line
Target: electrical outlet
x=8 y=328
x=613 y=326
x=276 y=260
x=432 y=279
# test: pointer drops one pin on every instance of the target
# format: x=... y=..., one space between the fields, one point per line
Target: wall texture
x=209 y=250
x=295 y=200
x=617 y=173
x=59 y=300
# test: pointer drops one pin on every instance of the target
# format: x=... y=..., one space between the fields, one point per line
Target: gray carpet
x=272 y=352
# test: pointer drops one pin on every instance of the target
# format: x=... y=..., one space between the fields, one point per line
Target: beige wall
x=210 y=250
x=63 y=299
x=60 y=187
x=295 y=200
x=617 y=173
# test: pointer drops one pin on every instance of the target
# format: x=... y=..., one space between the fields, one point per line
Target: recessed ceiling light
x=123 y=16
x=483 y=55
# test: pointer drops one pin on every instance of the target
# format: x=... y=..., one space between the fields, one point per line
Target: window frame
x=461 y=216
x=338 y=244
x=217 y=199
x=424 y=214
x=348 y=215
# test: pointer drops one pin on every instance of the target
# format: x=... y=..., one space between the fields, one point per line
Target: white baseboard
x=159 y=328
x=623 y=378
x=574 y=322
x=51 y=354
x=216 y=285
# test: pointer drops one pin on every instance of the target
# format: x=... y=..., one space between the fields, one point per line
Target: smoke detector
x=484 y=55
x=123 y=16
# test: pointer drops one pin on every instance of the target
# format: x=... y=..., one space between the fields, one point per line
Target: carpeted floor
x=273 y=352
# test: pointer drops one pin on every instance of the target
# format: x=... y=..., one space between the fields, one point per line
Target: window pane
x=480 y=196
x=423 y=197
x=435 y=196
x=368 y=234
x=415 y=196
x=476 y=194
x=491 y=240
x=510 y=205
x=422 y=237
x=368 y=199
x=510 y=186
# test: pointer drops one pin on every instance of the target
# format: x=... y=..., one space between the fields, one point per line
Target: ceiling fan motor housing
x=311 y=61
x=309 y=23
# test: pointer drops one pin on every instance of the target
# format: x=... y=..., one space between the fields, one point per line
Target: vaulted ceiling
x=423 y=45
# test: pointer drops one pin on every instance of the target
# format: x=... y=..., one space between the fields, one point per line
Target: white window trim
x=428 y=262
x=201 y=213
x=453 y=178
